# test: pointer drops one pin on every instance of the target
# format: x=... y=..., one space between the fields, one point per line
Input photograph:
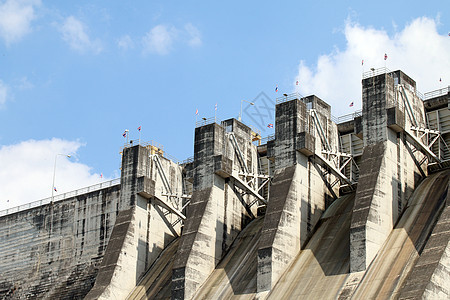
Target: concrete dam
x=348 y=208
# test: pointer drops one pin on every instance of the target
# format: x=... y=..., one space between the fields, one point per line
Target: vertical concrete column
x=140 y=233
x=298 y=193
x=387 y=171
x=217 y=211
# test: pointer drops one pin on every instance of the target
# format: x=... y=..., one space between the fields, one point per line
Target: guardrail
x=60 y=197
x=437 y=93
x=289 y=97
x=206 y=121
x=375 y=72
x=347 y=117
x=188 y=160
x=158 y=148
x=268 y=138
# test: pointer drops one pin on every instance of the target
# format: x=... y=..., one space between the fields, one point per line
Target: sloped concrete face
x=298 y=192
x=143 y=230
x=389 y=167
x=218 y=210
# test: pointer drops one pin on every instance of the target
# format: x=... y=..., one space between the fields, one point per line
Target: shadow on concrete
x=236 y=272
x=330 y=243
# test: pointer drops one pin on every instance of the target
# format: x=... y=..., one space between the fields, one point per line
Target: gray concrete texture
x=318 y=237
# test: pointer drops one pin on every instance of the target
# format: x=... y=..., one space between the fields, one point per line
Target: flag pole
x=139 y=135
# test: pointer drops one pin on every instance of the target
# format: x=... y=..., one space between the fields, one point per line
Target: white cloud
x=125 y=42
x=26 y=172
x=195 y=38
x=3 y=93
x=159 y=39
x=24 y=84
x=75 y=34
x=15 y=19
x=418 y=50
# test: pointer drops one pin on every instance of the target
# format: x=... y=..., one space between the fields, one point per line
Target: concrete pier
x=220 y=206
x=299 y=192
x=341 y=208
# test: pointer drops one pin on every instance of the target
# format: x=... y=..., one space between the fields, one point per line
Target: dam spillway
x=355 y=209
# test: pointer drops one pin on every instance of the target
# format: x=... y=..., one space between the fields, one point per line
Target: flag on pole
x=351 y=104
x=270 y=125
x=385 y=56
x=196 y=111
x=124 y=134
x=139 y=128
x=276 y=89
x=55 y=189
x=101 y=175
x=296 y=83
x=362 y=62
x=440 y=79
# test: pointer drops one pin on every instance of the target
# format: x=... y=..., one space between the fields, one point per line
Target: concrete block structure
x=354 y=207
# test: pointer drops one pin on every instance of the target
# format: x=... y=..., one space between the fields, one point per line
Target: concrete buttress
x=298 y=193
x=219 y=207
x=389 y=167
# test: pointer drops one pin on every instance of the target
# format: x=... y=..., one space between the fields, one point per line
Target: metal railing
x=60 y=197
x=206 y=121
x=347 y=117
x=188 y=160
x=157 y=147
x=288 y=97
x=266 y=139
x=255 y=130
x=375 y=72
x=437 y=93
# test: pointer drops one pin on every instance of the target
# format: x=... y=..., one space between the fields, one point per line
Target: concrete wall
x=219 y=209
x=143 y=230
x=390 y=169
x=54 y=251
x=299 y=191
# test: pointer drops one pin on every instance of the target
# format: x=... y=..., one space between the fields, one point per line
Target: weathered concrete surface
x=299 y=191
x=143 y=230
x=54 y=251
x=235 y=275
x=321 y=268
x=430 y=276
x=156 y=283
x=389 y=169
x=219 y=209
x=401 y=250
x=280 y=237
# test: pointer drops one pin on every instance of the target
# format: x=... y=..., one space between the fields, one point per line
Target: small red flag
x=385 y=56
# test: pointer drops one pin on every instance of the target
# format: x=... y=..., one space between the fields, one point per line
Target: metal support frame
x=168 y=203
x=333 y=164
x=424 y=148
x=420 y=133
x=319 y=128
x=240 y=178
x=407 y=106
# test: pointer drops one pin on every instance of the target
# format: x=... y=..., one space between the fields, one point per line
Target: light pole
x=240 y=113
x=54 y=172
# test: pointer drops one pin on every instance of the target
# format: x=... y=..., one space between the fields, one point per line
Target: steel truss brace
x=245 y=184
x=418 y=144
x=168 y=202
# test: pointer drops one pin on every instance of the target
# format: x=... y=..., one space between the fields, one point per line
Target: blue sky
x=74 y=75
